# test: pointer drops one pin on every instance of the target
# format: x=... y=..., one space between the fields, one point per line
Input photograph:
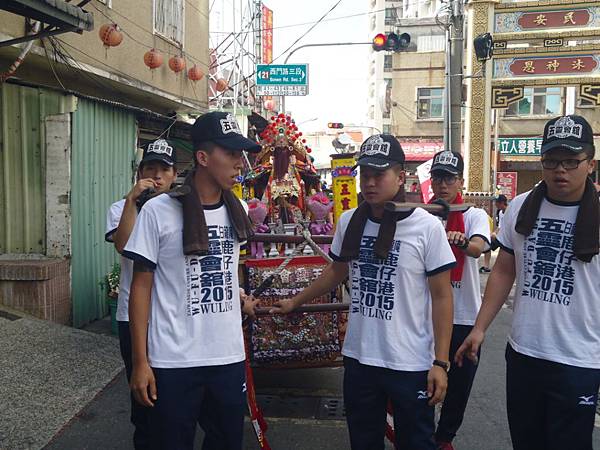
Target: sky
x=337 y=75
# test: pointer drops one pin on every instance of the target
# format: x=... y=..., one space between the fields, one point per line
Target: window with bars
x=537 y=102
x=390 y=16
x=387 y=63
x=168 y=19
x=430 y=103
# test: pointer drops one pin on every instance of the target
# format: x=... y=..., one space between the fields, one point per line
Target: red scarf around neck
x=456 y=222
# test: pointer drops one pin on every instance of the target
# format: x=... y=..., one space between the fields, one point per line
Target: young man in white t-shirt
x=549 y=242
x=156 y=173
x=469 y=235
x=400 y=320
x=185 y=308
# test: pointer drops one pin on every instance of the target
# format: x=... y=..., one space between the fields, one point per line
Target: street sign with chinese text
x=282 y=79
x=520 y=146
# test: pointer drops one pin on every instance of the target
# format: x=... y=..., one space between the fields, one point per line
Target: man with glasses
x=469 y=235
x=549 y=242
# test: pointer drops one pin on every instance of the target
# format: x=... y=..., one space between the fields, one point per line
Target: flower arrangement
x=112 y=281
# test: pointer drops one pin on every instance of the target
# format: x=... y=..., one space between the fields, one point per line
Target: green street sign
x=282 y=79
x=525 y=146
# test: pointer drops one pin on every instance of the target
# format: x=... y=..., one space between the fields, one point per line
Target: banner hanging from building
x=267 y=35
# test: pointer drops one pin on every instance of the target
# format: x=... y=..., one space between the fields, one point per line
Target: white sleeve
x=479 y=225
x=338 y=237
x=438 y=254
x=505 y=235
x=113 y=217
x=144 y=241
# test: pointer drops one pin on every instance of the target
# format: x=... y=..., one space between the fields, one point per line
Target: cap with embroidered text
x=380 y=152
x=222 y=129
x=447 y=161
x=160 y=150
x=571 y=132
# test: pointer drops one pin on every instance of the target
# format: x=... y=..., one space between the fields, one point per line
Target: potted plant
x=112 y=289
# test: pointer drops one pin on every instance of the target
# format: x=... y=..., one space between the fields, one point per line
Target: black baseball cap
x=222 y=129
x=380 y=151
x=159 y=150
x=571 y=132
x=451 y=162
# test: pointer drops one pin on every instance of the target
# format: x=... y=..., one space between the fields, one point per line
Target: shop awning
x=421 y=151
x=58 y=17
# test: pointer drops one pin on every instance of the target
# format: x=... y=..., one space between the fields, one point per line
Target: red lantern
x=176 y=64
x=195 y=73
x=269 y=104
x=153 y=58
x=221 y=85
x=110 y=34
x=308 y=150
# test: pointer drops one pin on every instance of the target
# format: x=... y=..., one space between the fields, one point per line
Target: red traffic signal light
x=379 y=42
x=336 y=125
x=392 y=42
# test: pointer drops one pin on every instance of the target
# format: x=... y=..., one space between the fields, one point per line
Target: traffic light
x=484 y=47
x=335 y=125
x=391 y=42
x=379 y=42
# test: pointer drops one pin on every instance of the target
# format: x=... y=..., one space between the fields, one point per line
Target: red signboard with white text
x=267 y=35
x=507 y=183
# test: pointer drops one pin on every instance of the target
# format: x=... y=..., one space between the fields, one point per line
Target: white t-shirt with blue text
x=390 y=313
x=195 y=314
x=556 y=309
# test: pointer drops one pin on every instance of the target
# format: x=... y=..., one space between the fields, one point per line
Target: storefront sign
x=546 y=66
x=507 y=183
x=520 y=146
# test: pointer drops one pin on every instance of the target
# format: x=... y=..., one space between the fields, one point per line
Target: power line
x=306 y=23
x=286 y=50
x=98 y=61
x=187 y=55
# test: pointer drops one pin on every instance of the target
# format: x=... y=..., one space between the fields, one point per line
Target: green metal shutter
x=22 y=166
x=104 y=143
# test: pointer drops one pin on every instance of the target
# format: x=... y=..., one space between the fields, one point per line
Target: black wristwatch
x=443 y=364
x=465 y=245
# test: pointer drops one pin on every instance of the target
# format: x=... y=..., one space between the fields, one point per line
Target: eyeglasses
x=568 y=164
x=448 y=179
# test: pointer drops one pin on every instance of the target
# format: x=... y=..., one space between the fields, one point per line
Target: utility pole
x=454 y=72
x=456 y=69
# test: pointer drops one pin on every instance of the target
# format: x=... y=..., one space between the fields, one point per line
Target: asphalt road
x=297 y=404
